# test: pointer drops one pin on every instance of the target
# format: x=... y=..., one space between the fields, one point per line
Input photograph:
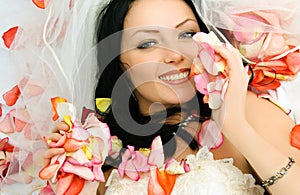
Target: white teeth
x=175 y=77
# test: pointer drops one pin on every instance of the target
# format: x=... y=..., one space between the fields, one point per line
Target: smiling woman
x=170 y=110
x=152 y=74
x=155 y=113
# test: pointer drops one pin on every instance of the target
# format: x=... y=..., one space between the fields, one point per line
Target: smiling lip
x=175 y=76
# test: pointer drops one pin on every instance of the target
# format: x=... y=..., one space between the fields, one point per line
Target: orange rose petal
x=5 y=146
x=154 y=187
x=3 y=143
x=55 y=101
x=72 y=145
x=11 y=96
x=258 y=76
x=9 y=148
x=19 y=125
x=266 y=84
x=293 y=62
x=64 y=183
x=295 y=137
x=49 y=171
x=193 y=71
x=274 y=64
x=166 y=181
x=40 y=3
x=76 y=186
x=9 y=36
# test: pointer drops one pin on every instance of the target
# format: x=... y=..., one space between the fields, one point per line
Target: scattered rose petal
x=156 y=156
x=173 y=167
x=11 y=96
x=55 y=101
x=293 y=62
x=9 y=36
x=166 y=181
x=6 y=124
x=29 y=88
x=66 y=109
x=40 y=3
x=295 y=137
x=210 y=135
x=154 y=187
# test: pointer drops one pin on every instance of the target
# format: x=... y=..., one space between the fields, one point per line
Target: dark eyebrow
x=185 y=21
x=145 y=31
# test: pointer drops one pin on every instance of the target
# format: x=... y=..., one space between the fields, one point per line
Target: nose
x=173 y=57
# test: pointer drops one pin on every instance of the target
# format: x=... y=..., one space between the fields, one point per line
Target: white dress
x=207 y=176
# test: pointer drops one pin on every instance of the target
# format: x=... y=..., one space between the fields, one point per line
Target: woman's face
x=157 y=52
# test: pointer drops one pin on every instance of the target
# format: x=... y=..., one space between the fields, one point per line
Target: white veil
x=55 y=55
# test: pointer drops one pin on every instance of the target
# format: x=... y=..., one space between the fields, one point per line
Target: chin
x=179 y=98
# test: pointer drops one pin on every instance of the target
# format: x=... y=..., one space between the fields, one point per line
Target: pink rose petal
x=131 y=171
x=156 y=156
x=98 y=173
x=81 y=171
x=210 y=135
x=6 y=124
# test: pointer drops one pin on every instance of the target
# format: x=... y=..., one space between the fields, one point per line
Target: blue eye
x=146 y=44
x=187 y=35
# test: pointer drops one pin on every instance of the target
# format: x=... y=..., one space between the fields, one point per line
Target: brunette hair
x=125 y=110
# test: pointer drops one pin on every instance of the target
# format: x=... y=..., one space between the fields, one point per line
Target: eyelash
x=149 y=43
x=190 y=35
x=146 y=44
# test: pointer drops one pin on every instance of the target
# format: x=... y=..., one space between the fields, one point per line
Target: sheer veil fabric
x=53 y=54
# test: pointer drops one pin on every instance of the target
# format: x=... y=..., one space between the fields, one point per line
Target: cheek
x=142 y=73
x=189 y=50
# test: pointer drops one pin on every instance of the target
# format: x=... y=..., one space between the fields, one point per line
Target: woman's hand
x=55 y=136
x=90 y=187
x=233 y=108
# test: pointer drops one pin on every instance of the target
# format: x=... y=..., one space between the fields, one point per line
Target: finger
x=231 y=55
x=48 y=154
x=60 y=126
x=234 y=63
x=54 y=137
x=53 y=152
